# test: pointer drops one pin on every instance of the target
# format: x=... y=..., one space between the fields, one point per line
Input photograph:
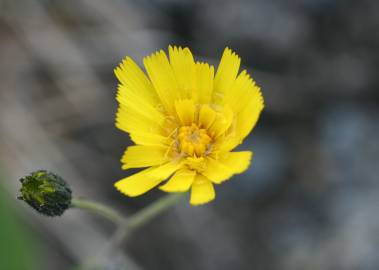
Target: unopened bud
x=46 y=192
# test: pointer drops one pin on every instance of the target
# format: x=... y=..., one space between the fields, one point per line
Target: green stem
x=149 y=212
x=124 y=225
x=99 y=209
x=137 y=220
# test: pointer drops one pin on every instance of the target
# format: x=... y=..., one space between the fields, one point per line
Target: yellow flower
x=184 y=121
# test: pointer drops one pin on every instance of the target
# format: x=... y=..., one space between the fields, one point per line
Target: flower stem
x=99 y=209
x=137 y=220
x=124 y=225
x=149 y=212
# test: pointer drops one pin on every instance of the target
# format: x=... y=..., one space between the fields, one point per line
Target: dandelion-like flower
x=185 y=120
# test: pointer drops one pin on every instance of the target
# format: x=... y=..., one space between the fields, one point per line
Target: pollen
x=193 y=141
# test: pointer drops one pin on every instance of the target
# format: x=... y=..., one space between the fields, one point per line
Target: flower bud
x=46 y=192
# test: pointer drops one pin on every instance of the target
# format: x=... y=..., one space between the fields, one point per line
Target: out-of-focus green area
x=19 y=250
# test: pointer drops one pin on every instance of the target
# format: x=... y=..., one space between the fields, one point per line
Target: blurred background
x=310 y=199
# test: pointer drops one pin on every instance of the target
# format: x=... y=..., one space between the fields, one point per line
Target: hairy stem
x=124 y=225
x=99 y=209
x=149 y=212
x=137 y=220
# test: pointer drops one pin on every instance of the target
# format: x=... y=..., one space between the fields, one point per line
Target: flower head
x=185 y=120
x=46 y=192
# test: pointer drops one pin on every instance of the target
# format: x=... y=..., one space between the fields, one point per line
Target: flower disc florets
x=193 y=141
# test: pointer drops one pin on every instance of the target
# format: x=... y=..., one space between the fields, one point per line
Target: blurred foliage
x=18 y=247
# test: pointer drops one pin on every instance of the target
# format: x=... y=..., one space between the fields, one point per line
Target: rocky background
x=309 y=201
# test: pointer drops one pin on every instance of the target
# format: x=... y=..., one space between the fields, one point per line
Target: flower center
x=193 y=140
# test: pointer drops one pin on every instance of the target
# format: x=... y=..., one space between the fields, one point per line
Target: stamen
x=193 y=141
